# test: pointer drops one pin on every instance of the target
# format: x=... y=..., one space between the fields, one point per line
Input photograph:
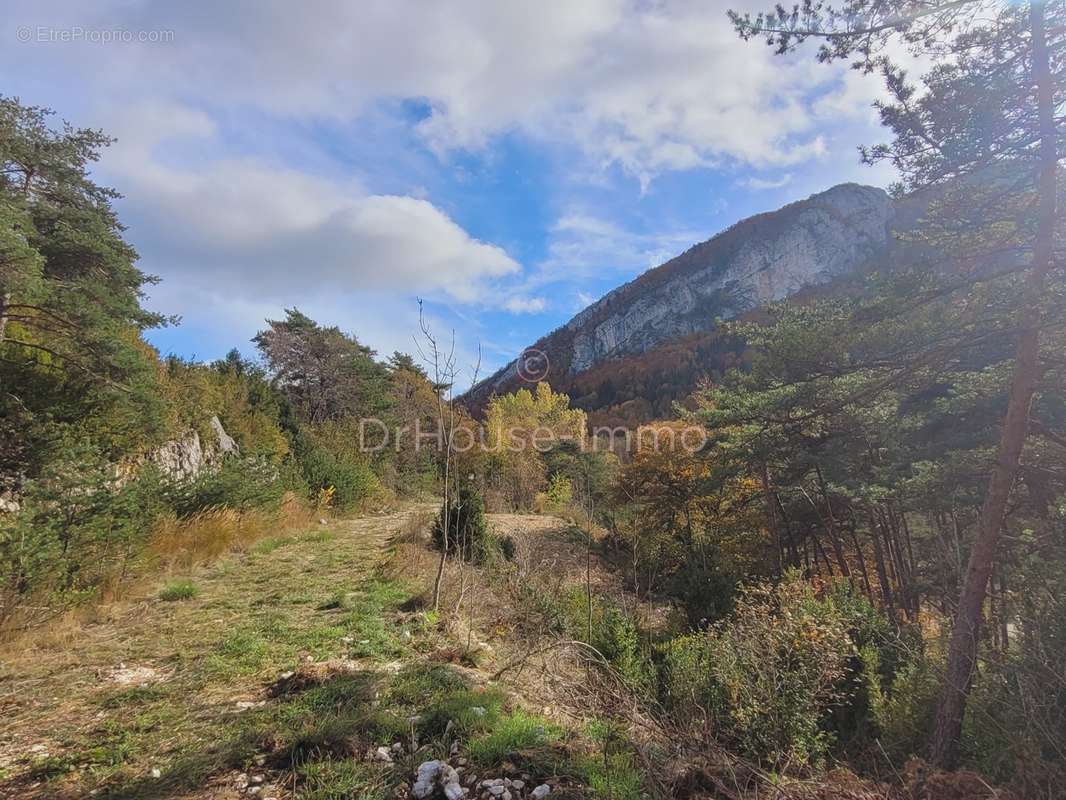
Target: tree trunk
x=5 y=301
x=962 y=654
x=831 y=526
x=879 y=563
x=771 y=513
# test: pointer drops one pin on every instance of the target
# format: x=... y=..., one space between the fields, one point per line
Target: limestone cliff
x=759 y=260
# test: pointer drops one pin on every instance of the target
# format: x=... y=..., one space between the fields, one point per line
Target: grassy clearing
x=199 y=668
x=291 y=662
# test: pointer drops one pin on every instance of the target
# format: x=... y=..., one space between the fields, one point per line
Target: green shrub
x=467 y=529
x=705 y=592
x=178 y=590
x=906 y=714
x=75 y=530
x=619 y=640
x=352 y=481
x=766 y=677
x=616 y=635
x=240 y=484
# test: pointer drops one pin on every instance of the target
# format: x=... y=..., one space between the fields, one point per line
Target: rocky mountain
x=762 y=259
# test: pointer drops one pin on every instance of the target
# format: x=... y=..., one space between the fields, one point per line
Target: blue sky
x=508 y=163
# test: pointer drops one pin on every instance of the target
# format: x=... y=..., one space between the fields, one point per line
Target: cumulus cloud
x=262 y=229
x=235 y=224
x=649 y=86
x=525 y=305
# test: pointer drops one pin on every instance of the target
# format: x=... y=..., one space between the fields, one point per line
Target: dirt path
x=127 y=697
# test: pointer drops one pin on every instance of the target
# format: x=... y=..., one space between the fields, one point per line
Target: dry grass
x=179 y=544
x=174 y=546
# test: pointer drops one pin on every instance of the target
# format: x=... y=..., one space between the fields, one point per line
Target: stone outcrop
x=759 y=260
x=185 y=458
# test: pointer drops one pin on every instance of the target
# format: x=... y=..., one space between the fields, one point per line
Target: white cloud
x=649 y=86
x=767 y=183
x=263 y=229
x=525 y=305
x=583 y=245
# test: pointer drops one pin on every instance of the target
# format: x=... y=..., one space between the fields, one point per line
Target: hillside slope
x=761 y=259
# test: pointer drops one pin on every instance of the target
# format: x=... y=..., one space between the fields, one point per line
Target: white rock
x=497 y=791
x=383 y=754
x=540 y=792
x=426 y=778
x=517 y=784
x=453 y=791
x=156 y=773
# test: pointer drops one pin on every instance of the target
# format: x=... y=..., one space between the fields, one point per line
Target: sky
x=507 y=163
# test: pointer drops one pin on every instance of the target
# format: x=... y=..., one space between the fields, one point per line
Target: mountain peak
x=759 y=260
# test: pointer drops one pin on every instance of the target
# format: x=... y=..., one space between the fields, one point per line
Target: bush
x=178 y=590
x=75 y=530
x=467 y=529
x=615 y=635
x=619 y=639
x=557 y=496
x=238 y=484
x=349 y=482
x=767 y=677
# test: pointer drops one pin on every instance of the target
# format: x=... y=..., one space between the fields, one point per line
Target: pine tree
x=981 y=136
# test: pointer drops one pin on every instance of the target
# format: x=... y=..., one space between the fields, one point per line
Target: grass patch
x=319 y=536
x=267 y=546
x=374 y=636
x=611 y=777
x=178 y=590
x=439 y=694
x=135 y=696
x=333 y=779
x=241 y=652
x=512 y=739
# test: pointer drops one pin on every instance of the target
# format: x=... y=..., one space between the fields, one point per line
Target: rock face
x=185 y=458
x=799 y=246
x=762 y=259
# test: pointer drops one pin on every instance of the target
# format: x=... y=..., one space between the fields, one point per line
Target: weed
x=511 y=738
x=341 y=779
x=178 y=590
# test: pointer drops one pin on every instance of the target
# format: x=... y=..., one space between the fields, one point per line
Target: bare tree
x=443 y=371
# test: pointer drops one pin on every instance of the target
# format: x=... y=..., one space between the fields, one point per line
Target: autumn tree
x=697 y=527
x=519 y=429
